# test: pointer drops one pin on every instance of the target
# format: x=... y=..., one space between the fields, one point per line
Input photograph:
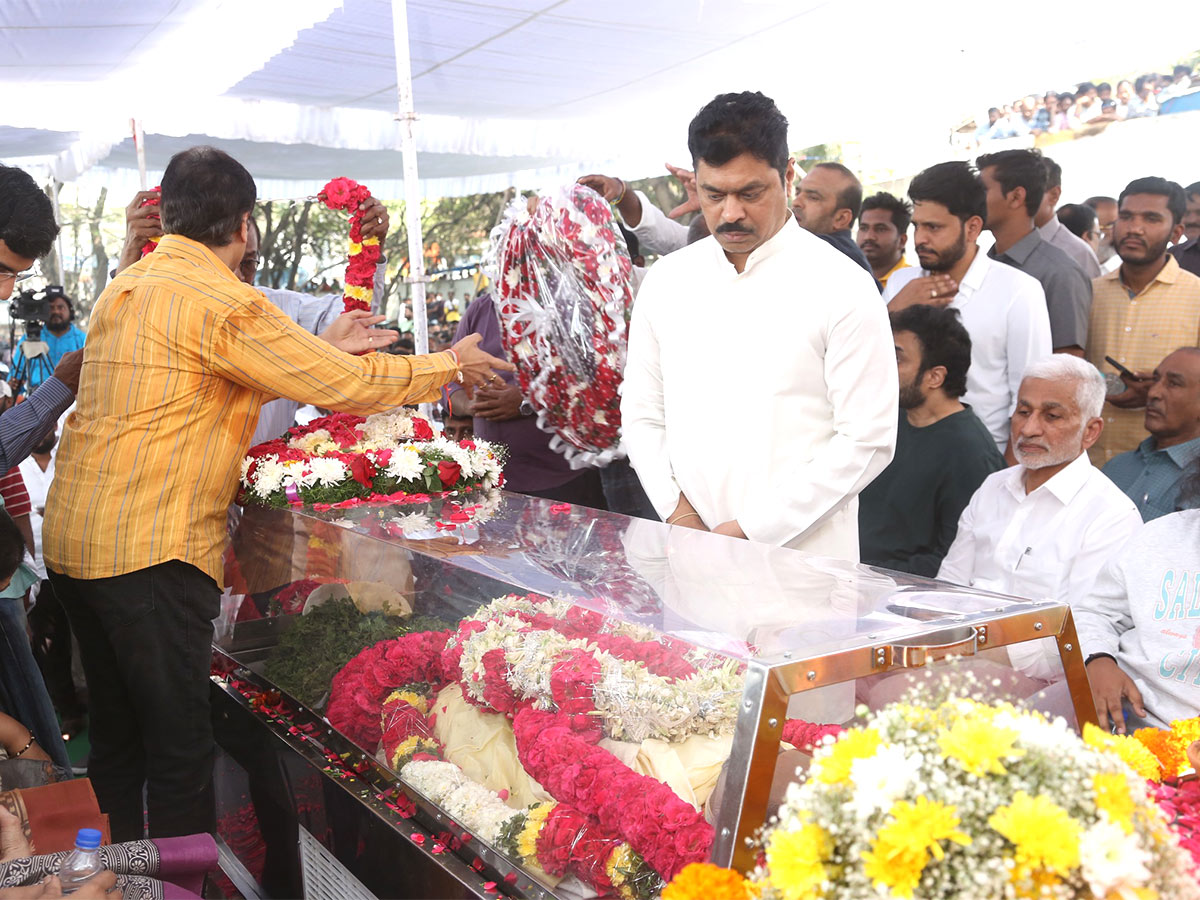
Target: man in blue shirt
x=60 y=334
x=1151 y=474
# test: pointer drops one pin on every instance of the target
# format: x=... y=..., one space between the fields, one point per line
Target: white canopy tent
x=517 y=92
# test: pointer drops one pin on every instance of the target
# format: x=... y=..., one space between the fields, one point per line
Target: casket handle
x=961 y=640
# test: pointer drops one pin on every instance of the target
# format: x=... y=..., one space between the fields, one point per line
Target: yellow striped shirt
x=1138 y=332
x=180 y=357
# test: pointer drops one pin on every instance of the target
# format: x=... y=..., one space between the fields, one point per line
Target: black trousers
x=52 y=649
x=145 y=639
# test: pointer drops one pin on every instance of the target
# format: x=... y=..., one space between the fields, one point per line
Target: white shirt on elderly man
x=1004 y=312
x=1046 y=545
x=767 y=396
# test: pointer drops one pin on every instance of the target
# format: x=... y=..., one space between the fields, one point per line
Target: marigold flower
x=704 y=881
x=1132 y=751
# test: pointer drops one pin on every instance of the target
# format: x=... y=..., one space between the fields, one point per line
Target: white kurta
x=768 y=396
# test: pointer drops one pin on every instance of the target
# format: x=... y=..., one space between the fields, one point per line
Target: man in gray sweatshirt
x=1139 y=628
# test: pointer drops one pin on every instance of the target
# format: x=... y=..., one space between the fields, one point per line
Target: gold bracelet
x=681 y=517
x=23 y=749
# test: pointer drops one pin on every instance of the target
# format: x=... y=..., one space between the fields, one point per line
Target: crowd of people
x=1084 y=105
x=1023 y=418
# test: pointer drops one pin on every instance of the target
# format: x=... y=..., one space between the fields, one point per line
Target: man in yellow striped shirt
x=180 y=357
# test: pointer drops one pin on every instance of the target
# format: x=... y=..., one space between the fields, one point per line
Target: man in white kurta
x=760 y=388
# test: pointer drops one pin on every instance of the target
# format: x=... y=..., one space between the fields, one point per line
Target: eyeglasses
x=15 y=277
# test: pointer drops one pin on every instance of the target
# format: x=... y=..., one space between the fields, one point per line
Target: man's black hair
x=12 y=546
x=901 y=210
x=1193 y=189
x=953 y=184
x=1182 y=69
x=1018 y=168
x=944 y=342
x=205 y=195
x=1053 y=173
x=1152 y=184
x=1103 y=86
x=1094 y=202
x=850 y=197
x=732 y=124
x=1084 y=87
x=1077 y=218
x=27 y=223
x=56 y=292
x=1067 y=95
x=1140 y=83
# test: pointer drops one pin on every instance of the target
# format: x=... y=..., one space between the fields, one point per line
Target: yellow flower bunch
x=534 y=820
x=1113 y=798
x=859 y=743
x=1043 y=833
x=796 y=859
x=904 y=845
x=1133 y=752
x=411 y=746
x=979 y=746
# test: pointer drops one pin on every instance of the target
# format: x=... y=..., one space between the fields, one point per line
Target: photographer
x=60 y=335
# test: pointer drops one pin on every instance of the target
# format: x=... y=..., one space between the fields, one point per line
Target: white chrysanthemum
x=311 y=441
x=297 y=473
x=413 y=523
x=405 y=464
x=268 y=477
x=882 y=779
x=1112 y=861
x=247 y=462
x=328 y=471
x=388 y=429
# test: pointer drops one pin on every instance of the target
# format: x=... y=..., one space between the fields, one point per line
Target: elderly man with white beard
x=1044 y=528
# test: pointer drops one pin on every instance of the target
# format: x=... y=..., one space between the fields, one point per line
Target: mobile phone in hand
x=1120 y=368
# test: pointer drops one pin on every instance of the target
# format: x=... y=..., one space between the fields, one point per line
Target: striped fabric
x=1138 y=332
x=180 y=357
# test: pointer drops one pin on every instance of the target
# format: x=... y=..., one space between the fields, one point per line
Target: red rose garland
x=563 y=294
x=347 y=194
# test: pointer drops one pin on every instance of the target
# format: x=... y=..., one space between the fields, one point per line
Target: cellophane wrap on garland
x=563 y=293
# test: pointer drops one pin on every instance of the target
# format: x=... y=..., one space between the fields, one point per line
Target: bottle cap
x=87 y=839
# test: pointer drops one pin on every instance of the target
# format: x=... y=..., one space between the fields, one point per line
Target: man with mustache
x=1151 y=475
x=1003 y=309
x=1143 y=310
x=772 y=437
x=827 y=202
x=882 y=234
x=1043 y=529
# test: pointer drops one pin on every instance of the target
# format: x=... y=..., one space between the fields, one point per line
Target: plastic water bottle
x=81 y=863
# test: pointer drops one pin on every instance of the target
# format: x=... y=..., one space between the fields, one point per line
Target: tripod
x=35 y=365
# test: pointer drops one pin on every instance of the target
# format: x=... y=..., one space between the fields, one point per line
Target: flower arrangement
x=563 y=293
x=1168 y=759
x=364 y=255
x=958 y=799
x=611 y=676
x=344 y=459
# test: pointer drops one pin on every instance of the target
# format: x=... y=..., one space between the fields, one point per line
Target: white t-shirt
x=37 y=483
x=1004 y=312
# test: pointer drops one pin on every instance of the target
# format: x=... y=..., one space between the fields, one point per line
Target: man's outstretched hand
x=687 y=178
x=477 y=367
x=352 y=332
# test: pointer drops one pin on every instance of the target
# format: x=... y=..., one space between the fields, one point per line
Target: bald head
x=1173 y=401
x=828 y=199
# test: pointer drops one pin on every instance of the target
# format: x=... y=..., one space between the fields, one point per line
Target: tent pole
x=139 y=144
x=406 y=116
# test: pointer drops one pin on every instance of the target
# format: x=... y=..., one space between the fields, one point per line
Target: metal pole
x=139 y=144
x=406 y=116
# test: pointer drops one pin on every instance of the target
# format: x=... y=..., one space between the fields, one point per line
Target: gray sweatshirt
x=1145 y=611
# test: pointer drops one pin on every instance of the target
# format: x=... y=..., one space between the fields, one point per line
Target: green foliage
x=319 y=644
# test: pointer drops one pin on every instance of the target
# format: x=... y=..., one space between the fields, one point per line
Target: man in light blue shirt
x=60 y=334
x=1151 y=474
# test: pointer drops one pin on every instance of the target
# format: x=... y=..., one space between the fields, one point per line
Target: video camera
x=34 y=306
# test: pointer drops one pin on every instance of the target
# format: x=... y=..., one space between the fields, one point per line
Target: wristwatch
x=526 y=408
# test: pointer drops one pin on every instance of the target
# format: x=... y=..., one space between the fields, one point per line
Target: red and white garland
x=364 y=255
x=342 y=459
x=563 y=293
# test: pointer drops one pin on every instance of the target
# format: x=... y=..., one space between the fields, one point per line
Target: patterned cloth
x=1152 y=477
x=1139 y=332
x=180 y=358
